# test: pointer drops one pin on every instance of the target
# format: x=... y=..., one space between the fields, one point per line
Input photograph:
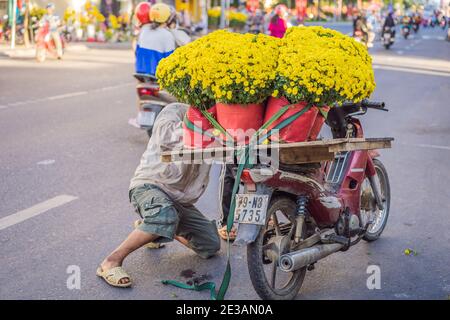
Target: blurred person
x=360 y=30
x=278 y=25
x=53 y=22
x=389 y=22
x=256 y=22
x=372 y=25
x=155 y=40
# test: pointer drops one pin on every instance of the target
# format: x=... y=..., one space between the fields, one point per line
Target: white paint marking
x=424 y=145
x=68 y=95
x=399 y=52
x=46 y=162
x=35 y=210
x=413 y=70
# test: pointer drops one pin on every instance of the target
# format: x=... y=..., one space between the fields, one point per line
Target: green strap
x=243 y=158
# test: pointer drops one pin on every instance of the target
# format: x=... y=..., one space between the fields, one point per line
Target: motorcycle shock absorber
x=302 y=212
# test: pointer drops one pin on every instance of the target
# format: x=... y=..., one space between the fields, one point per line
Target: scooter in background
x=151 y=100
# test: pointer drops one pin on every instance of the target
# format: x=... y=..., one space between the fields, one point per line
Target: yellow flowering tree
x=222 y=67
x=323 y=66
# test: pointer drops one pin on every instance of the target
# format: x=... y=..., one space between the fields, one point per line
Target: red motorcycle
x=293 y=216
x=45 y=43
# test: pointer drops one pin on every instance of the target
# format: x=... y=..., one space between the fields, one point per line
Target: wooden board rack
x=288 y=153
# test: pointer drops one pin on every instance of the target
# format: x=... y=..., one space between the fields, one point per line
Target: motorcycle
x=415 y=27
x=292 y=216
x=406 y=29
x=387 y=37
x=45 y=43
x=151 y=100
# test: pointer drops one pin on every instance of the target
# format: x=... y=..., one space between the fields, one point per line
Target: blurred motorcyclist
x=53 y=22
x=156 y=41
x=389 y=22
x=360 y=29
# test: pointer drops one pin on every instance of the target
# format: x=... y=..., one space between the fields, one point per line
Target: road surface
x=67 y=154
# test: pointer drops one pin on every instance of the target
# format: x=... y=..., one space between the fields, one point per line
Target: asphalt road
x=64 y=131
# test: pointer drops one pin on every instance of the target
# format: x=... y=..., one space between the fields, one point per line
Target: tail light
x=246 y=178
x=145 y=91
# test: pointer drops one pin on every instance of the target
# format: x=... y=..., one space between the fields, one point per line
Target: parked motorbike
x=45 y=43
x=388 y=37
x=151 y=100
x=406 y=30
x=293 y=216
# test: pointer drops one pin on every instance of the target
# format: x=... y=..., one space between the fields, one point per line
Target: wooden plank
x=383 y=143
x=289 y=153
x=305 y=155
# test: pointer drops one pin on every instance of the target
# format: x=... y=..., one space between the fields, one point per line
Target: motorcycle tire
x=387 y=46
x=385 y=191
x=257 y=262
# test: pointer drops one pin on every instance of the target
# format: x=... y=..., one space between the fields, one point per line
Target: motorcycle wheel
x=381 y=216
x=387 y=46
x=263 y=272
x=40 y=55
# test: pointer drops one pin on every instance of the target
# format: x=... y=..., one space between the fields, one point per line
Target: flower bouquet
x=235 y=72
x=319 y=67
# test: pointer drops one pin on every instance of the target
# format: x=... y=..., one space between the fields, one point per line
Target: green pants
x=166 y=218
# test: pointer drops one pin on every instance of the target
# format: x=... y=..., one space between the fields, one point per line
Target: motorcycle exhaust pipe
x=298 y=259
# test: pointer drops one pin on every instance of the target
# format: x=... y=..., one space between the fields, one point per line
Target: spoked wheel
x=369 y=207
x=269 y=281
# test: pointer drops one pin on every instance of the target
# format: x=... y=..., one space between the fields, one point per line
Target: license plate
x=146 y=118
x=251 y=208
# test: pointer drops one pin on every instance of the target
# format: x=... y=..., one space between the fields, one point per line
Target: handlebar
x=363 y=106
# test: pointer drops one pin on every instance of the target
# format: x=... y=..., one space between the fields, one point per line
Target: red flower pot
x=240 y=120
x=297 y=131
x=191 y=138
x=318 y=123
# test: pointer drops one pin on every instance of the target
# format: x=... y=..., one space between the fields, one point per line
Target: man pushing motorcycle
x=164 y=194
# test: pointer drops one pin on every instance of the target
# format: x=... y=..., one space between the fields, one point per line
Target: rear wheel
x=269 y=281
x=378 y=216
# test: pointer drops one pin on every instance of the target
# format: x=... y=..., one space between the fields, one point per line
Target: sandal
x=113 y=276
x=223 y=233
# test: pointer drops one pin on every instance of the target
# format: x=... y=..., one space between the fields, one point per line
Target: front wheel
x=387 y=46
x=269 y=281
x=379 y=217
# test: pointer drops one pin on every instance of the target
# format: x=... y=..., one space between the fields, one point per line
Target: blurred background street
x=64 y=131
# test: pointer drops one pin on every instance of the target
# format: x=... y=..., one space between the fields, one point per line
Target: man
x=163 y=195
x=53 y=24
